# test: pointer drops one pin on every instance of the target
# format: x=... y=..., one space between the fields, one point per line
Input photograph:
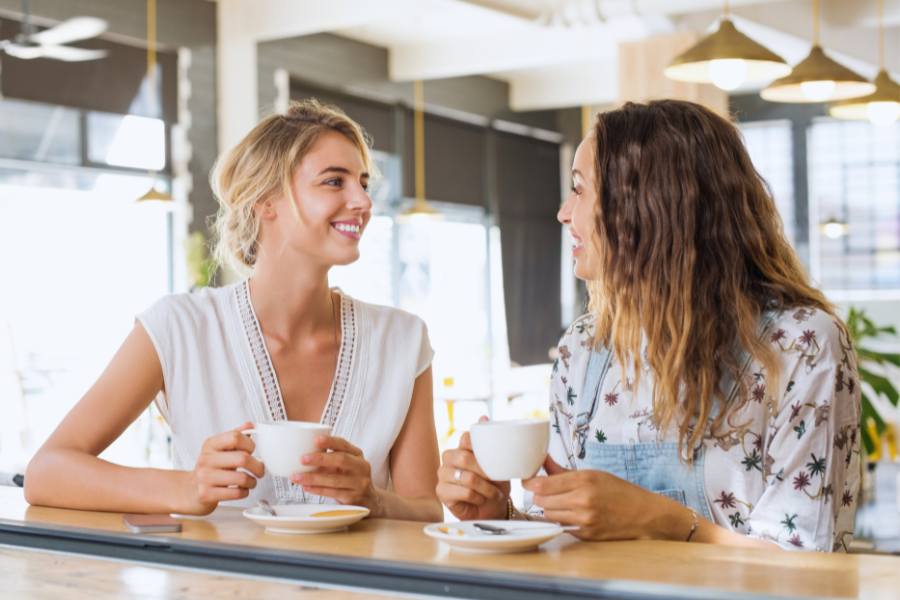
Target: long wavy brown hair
x=691 y=252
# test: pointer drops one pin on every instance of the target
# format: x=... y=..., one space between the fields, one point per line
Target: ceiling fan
x=50 y=43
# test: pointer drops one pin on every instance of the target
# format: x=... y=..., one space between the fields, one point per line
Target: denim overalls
x=655 y=466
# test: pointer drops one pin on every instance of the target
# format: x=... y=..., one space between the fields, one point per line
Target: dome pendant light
x=833 y=228
x=727 y=59
x=882 y=107
x=817 y=78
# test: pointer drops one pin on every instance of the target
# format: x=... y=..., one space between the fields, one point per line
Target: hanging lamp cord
x=151 y=40
x=881 y=34
x=815 y=22
x=419 y=140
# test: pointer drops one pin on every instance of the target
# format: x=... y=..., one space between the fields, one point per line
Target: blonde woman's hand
x=465 y=489
x=215 y=477
x=341 y=472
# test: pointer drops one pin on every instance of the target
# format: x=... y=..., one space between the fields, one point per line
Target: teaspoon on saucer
x=263 y=504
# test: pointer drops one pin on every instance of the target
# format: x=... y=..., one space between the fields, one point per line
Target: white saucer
x=299 y=518
x=463 y=536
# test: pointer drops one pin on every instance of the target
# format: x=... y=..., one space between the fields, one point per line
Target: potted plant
x=201 y=267
x=862 y=330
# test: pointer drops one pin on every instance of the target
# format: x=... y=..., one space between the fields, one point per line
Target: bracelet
x=510 y=509
x=695 y=523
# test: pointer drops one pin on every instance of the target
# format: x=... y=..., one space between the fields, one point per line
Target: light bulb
x=728 y=73
x=817 y=91
x=834 y=230
x=883 y=113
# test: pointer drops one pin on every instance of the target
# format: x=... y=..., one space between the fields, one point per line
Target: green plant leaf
x=851 y=321
x=868 y=411
x=200 y=266
x=870 y=328
x=881 y=385
x=861 y=327
x=868 y=443
x=879 y=357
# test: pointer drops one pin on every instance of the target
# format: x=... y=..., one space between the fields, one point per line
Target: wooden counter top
x=29 y=574
x=623 y=565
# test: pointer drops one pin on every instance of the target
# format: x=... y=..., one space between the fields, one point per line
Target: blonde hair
x=261 y=165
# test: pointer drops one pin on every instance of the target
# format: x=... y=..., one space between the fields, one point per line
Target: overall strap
x=586 y=403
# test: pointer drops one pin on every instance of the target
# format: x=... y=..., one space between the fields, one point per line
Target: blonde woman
x=711 y=394
x=277 y=345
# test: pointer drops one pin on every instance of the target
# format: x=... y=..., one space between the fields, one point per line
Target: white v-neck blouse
x=218 y=375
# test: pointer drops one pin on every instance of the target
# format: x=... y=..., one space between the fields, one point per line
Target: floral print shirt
x=785 y=467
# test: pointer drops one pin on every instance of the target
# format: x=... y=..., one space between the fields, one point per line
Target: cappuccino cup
x=281 y=444
x=510 y=449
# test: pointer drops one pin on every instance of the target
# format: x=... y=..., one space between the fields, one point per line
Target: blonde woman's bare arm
x=415 y=460
x=342 y=471
x=66 y=471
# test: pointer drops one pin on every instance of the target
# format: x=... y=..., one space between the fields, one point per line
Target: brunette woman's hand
x=465 y=489
x=605 y=507
x=215 y=477
x=342 y=473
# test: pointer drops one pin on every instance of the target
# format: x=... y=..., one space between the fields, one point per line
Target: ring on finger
x=457 y=475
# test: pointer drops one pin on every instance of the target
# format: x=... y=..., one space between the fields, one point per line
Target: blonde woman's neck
x=291 y=304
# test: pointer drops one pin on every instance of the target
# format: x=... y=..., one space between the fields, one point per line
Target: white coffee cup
x=510 y=449
x=280 y=445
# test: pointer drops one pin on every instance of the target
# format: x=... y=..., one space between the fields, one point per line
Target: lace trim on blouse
x=273 y=401
x=344 y=363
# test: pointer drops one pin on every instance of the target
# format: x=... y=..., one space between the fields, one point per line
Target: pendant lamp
x=727 y=59
x=834 y=228
x=881 y=107
x=817 y=78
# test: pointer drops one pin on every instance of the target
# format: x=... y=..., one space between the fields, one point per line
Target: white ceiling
x=559 y=53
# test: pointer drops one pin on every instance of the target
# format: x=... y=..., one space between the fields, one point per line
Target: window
x=86 y=263
x=441 y=271
x=771 y=150
x=444 y=279
x=83 y=259
x=854 y=177
x=438 y=270
x=111 y=141
x=39 y=132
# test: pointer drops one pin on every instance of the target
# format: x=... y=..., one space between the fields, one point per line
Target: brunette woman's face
x=577 y=212
x=331 y=199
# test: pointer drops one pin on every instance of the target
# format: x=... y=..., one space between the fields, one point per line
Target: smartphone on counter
x=151 y=524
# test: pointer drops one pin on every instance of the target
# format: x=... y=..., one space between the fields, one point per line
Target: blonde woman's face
x=577 y=212
x=330 y=189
